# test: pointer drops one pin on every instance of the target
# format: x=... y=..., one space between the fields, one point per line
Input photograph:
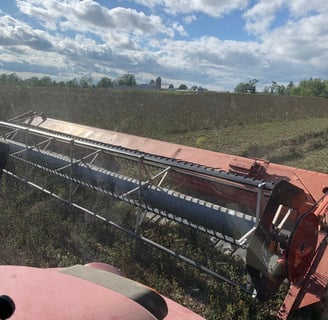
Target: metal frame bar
x=133 y=155
x=243 y=239
x=142 y=160
x=148 y=182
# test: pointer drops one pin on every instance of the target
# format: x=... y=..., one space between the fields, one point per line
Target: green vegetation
x=248 y=87
x=306 y=88
x=313 y=87
x=38 y=231
x=85 y=82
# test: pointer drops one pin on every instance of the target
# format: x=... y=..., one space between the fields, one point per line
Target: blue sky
x=209 y=43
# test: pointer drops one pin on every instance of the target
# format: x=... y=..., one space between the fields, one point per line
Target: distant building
x=158 y=83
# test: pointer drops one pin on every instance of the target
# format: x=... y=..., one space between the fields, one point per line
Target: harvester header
x=276 y=213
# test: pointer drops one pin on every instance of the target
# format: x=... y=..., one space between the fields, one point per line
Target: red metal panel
x=312 y=287
x=311 y=182
x=48 y=294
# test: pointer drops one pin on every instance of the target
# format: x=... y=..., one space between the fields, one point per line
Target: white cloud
x=14 y=32
x=179 y=28
x=260 y=17
x=297 y=48
x=303 y=7
x=90 y=16
x=121 y=33
x=47 y=12
x=210 y=61
x=72 y=38
x=189 y=19
x=305 y=40
x=212 y=8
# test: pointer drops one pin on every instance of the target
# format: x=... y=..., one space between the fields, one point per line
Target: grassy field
x=285 y=130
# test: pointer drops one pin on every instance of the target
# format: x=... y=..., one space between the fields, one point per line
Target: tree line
x=313 y=87
x=125 y=80
x=84 y=82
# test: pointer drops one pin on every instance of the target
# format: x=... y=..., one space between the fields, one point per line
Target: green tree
x=74 y=83
x=33 y=81
x=325 y=91
x=266 y=89
x=46 y=82
x=127 y=80
x=309 y=88
x=249 y=87
x=274 y=87
x=105 y=82
x=86 y=81
x=241 y=88
x=312 y=87
x=282 y=90
x=277 y=89
x=290 y=88
x=60 y=84
x=10 y=79
x=182 y=87
x=252 y=85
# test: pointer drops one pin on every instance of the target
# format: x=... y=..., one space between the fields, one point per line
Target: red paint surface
x=49 y=294
x=311 y=182
x=52 y=295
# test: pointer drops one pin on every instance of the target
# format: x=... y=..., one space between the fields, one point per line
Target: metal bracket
x=241 y=241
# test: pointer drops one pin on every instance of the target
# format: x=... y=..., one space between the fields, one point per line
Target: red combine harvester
x=277 y=214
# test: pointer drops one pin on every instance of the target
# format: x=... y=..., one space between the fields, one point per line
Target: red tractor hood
x=69 y=294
